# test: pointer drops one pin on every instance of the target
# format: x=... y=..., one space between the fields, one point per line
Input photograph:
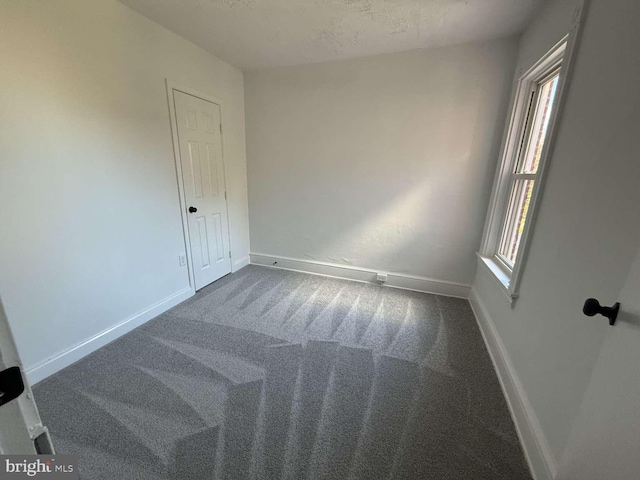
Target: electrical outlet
x=381 y=277
x=182 y=259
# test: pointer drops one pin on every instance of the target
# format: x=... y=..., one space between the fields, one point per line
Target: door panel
x=604 y=440
x=217 y=228
x=200 y=145
x=212 y=170
x=195 y=170
x=20 y=421
x=203 y=243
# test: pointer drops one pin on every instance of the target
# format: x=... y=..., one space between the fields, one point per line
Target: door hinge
x=229 y=253
x=225 y=195
x=220 y=129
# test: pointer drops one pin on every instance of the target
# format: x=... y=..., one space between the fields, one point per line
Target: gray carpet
x=270 y=374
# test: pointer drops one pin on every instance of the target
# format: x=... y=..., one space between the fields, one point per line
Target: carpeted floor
x=270 y=374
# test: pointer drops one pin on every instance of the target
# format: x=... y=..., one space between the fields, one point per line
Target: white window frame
x=560 y=57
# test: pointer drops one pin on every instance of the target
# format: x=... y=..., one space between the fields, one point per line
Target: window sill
x=501 y=278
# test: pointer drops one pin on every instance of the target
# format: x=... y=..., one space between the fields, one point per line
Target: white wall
x=90 y=220
x=588 y=226
x=383 y=163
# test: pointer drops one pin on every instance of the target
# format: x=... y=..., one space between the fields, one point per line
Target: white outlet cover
x=381 y=277
x=182 y=259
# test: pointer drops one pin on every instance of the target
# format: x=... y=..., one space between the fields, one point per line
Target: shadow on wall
x=630 y=318
x=382 y=163
x=391 y=234
x=429 y=227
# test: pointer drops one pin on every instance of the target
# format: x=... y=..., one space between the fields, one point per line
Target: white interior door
x=605 y=439
x=201 y=158
x=21 y=431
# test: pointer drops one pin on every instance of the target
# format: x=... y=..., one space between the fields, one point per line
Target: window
x=529 y=135
x=525 y=171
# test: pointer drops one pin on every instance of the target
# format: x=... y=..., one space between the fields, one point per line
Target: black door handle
x=11 y=384
x=193 y=209
x=593 y=307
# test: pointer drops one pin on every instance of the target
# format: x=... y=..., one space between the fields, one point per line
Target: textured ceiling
x=254 y=34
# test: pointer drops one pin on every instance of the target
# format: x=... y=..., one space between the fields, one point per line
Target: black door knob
x=11 y=384
x=592 y=307
x=193 y=209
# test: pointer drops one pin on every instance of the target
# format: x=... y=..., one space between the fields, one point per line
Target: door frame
x=22 y=429
x=172 y=86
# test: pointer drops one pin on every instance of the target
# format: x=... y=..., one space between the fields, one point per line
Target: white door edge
x=20 y=422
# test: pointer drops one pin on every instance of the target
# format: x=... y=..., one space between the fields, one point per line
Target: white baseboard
x=49 y=366
x=536 y=447
x=241 y=263
x=396 y=280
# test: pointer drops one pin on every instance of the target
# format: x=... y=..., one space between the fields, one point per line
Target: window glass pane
x=539 y=123
x=515 y=221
